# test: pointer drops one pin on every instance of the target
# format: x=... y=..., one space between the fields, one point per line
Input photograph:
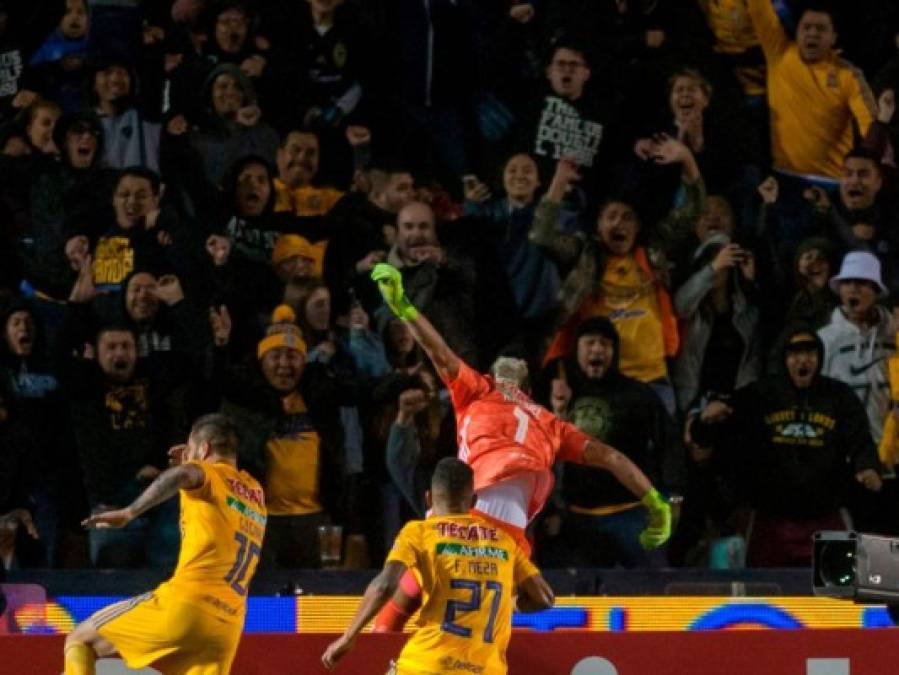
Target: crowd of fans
x=681 y=214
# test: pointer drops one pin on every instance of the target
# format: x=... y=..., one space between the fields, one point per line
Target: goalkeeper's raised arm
x=390 y=283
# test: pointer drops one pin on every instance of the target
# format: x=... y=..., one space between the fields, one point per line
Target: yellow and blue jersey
x=469 y=569
x=222 y=526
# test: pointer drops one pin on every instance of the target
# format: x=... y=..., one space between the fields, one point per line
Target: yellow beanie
x=282 y=332
x=293 y=245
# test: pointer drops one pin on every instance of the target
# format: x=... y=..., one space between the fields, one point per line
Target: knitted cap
x=282 y=332
x=293 y=245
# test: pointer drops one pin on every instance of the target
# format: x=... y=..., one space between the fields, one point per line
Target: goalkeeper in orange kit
x=510 y=442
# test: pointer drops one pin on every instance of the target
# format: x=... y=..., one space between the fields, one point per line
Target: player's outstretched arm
x=166 y=486
x=630 y=476
x=390 y=283
x=444 y=359
x=534 y=594
x=606 y=457
x=379 y=591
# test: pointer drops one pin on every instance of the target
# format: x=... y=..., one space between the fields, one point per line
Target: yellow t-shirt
x=292 y=464
x=812 y=105
x=469 y=570
x=627 y=296
x=305 y=201
x=222 y=526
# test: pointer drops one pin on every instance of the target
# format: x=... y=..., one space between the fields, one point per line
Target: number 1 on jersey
x=521 y=431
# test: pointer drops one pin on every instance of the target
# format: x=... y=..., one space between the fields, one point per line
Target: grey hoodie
x=696 y=327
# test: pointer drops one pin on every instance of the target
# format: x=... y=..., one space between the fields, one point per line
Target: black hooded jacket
x=629 y=416
x=253 y=238
x=18 y=448
x=119 y=426
x=35 y=396
x=57 y=195
x=793 y=452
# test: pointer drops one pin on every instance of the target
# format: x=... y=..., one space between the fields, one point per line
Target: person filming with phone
x=719 y=320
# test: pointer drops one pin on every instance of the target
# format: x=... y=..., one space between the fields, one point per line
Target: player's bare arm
x=630 y=476
x=445 y=360
x=379 y=591
x=606 y=457
x=390 y=283
x=166 y=486
x=534 y=595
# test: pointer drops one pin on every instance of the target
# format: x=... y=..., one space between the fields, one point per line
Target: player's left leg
x=84 y=646
x=207 y=645
x=141 y=629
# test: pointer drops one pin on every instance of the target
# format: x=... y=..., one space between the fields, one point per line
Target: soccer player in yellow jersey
x=190 y=624
x=469 y=572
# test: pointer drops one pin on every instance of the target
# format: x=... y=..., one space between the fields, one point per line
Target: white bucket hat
x=859 y=265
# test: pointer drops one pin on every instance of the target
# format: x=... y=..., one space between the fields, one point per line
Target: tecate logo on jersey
x=467 y=532
x=252 y=494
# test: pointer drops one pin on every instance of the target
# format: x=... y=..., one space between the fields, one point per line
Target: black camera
x=856 y=566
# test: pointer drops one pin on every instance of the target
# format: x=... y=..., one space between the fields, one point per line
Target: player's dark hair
x=453 y=478
x=219 y=431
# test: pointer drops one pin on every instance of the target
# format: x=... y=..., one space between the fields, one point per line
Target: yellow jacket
x=305 y=201
x=735 y=36
x=729 y=21
x=812 y=104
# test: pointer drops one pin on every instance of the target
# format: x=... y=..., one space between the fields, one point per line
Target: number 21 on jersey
x=472 y=604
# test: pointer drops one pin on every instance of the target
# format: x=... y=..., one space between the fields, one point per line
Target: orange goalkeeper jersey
x=503 y=433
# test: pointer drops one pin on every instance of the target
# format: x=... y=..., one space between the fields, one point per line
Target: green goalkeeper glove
x=659 y=528
x=390 y=283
